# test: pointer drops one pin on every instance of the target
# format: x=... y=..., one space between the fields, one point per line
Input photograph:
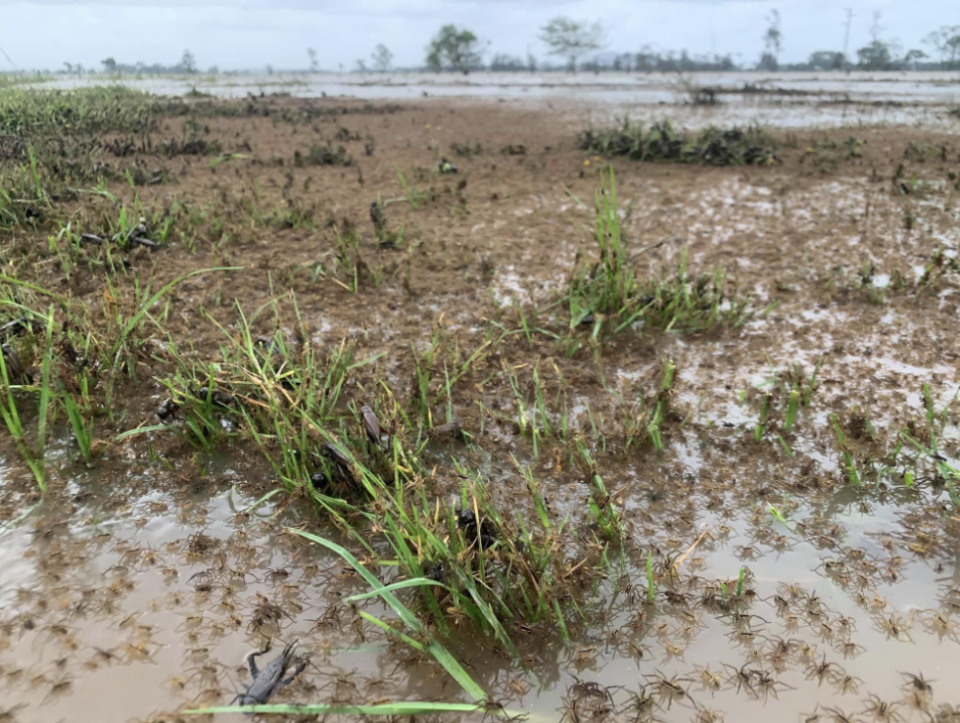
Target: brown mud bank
x=657 y=441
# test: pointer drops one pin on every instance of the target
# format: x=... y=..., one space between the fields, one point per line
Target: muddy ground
x=133 y=588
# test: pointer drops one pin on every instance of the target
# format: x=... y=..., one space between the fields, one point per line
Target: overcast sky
x=253 y=33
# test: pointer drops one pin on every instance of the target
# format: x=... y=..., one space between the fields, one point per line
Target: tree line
x=457 y=49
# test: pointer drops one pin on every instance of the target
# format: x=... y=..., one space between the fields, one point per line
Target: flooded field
x=489 y=416
x=790 y=100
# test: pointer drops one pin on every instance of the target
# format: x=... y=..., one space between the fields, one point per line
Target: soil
x=133 y=589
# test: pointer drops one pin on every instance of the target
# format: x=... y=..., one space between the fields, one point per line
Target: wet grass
x=660 y=142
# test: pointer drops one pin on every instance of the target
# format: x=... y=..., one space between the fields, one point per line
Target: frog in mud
x=268 y=681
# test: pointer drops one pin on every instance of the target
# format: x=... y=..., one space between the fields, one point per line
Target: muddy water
x=130 y=607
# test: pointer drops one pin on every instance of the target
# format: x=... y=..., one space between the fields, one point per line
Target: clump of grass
x=325 y=155
x=678 y=302
x=827 y=153
x=751 y=146
x=604 y=512
x=413 y=195
x=609 y=286
x=609 y=295
x=467 y=149
x=33 y=454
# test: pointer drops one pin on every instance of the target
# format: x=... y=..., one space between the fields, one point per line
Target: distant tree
x=79 y=68
x=454 y=49
x=68 y=66
x=912 y=57
x=188 y=63
x=382 y=58
x=314 y=65
x=645 y=59
x=531 y=62
x=269 y=69
x=772 y=42
x=570 y=39
x=946 y=41
x=876 y=55
x=361 y=65
x=213 y=70
x=109 y=65
x=826 y=60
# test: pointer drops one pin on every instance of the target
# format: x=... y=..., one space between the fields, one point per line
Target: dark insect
x=446 y=167
x=340 y=464
x=215 y=396
x=319 y=481
x=484 y=532
x=371 y=424
x=91 y=239
x=268 y=681
x=266 y=349
x=14 y=366
x=377 y=216
x=167 y=410
x=134 y=236
x=435 y=571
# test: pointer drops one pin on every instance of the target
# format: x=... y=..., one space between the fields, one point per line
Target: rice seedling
x=848 y=463
x=777 y=514
x=604 y=513
x=82 y=430
x=651 y=581
x=764 y=416
x=793 y=406
x=413 y=195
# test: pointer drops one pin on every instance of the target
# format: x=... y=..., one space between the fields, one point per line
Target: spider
x=668 y=689
x=918 y=683
x=838 y=716
x=742 y=677
x=821 y=670
x=847 y=683
x=767 y=685
x=882 y=711
x=708 y=679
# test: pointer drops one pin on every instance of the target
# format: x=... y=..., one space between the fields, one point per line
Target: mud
x=133 y=590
